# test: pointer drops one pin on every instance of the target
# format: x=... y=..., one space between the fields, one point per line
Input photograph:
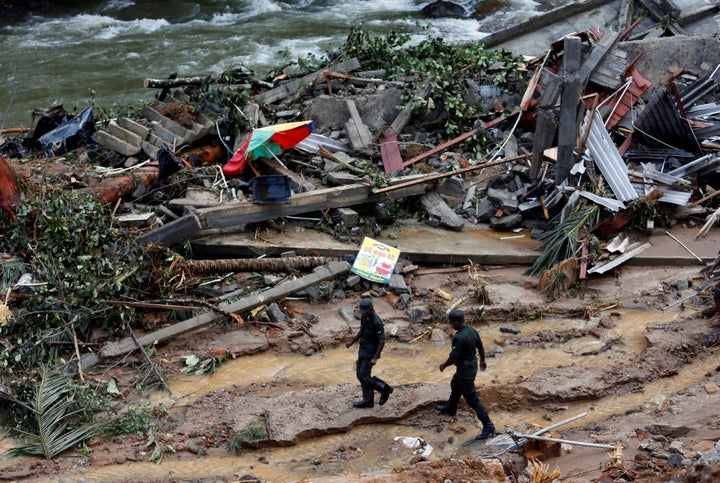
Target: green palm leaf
x=55 y=412
x=561 y=241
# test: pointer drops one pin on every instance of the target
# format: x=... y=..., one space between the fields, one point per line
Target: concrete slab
x=424 y=244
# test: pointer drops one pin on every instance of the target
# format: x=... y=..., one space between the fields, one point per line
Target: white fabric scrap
x=420 y=446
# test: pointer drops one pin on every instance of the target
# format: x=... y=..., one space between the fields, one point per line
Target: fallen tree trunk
x=113 y=189
x=255 y=264
x=9 y=190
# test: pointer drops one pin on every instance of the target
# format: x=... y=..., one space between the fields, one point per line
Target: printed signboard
x=375 y=261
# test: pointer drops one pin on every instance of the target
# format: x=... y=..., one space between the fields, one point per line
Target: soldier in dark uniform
x=464 y=345
x=372 y=341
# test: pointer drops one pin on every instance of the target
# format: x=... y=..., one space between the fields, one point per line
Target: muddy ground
x=686 y=423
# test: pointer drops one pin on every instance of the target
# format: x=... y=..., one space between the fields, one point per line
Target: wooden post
x=570 y=102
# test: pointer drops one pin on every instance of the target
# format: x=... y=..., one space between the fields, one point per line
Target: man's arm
x=379 y=350
x=481 y=352
x=354 y=339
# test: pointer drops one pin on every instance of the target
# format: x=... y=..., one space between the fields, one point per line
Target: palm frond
x=560 y=242
x=55 y=410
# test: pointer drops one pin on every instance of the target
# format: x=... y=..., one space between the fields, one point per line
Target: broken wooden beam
x=320 y=274
x=539 y=21
x=287 y=89
x=173 y=232
x=358 y=133
x=390 y=152
x=572 y=86
x=234 y=216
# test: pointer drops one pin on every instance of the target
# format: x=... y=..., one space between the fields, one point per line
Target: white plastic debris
x=420 y=446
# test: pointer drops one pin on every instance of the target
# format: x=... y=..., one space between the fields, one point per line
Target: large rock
x=440 y=9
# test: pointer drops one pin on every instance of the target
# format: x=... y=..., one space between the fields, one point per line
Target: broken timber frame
x=129 y=344
x=229 y=215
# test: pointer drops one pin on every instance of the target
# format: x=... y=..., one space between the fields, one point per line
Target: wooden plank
x=546 y=124
x=540 y=21
x=597 y=56
x=233 y=216
x=697 y=14
x=390 y=152
x=289 y=88
x=404 y=115
x=569 y=104
x=173 y=232
x=664 y=20
x=669 y=8
x=358 y=133
x=320 y=274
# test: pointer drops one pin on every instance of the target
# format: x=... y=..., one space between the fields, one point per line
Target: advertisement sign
x=375 y=261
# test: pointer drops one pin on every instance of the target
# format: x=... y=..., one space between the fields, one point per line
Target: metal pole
x=568 y=441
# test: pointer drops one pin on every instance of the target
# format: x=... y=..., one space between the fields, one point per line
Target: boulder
x=440 y=9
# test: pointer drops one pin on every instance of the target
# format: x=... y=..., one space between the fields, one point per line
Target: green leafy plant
x=60 y=418
x=449 y=68
x=254 y=431
x=79 y=260
x=138 y=421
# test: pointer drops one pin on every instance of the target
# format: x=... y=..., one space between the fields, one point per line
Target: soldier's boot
x=368 y=399
x=488 y=429
x=384 y=388
x=445 y=408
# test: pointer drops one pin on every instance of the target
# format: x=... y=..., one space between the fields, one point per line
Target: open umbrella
x=267 y=142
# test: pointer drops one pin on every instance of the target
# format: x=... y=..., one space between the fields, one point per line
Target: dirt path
x=685 y=420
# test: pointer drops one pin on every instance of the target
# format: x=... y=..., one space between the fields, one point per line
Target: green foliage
x=254 y=431
x=449 y=67
x=59 y=416
x=138 y=421
x=79 y=260
x=561 y=242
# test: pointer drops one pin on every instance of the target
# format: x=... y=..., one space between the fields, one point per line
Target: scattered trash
x=420 y=446
x=71 y=134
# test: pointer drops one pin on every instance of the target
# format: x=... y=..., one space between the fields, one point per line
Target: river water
x=98 y=53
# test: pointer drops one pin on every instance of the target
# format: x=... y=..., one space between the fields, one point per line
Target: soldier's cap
x=365 y=305
x=456 y=316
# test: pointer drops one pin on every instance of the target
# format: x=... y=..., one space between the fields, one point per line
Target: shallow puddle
x=374 y=445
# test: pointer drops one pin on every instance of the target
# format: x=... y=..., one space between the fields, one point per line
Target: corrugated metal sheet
x=703 y=110
x=709 y=161
x=312 y=143
x=671 y=196
x=607 y=157
x=609 y=203
x=651 y=174
x=634 y=249
x=699 y=89
x=660 y=125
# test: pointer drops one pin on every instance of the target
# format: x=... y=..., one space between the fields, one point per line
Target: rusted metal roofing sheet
x=607 y=157
x=620 y=102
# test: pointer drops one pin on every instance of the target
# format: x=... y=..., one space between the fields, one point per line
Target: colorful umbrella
x=267 y=142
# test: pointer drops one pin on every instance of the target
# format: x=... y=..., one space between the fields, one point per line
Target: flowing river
x=99 y=52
